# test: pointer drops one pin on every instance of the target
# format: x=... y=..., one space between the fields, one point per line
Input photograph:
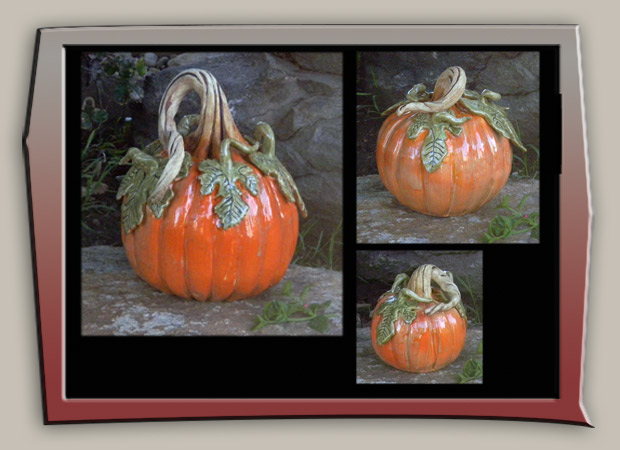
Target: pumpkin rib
x=262 y=244
x=226 y=259
x=273 y=237
x=485 y=160
x=384 y=132
x=455 y=340
x=431 y=359
x=172 y=238
x=247 y=272
x=453 y=184
x=408 y=346
x=391 y=155
x=146 y=239
x=199 y=226
x=184 y=282
x=281 y=266
x=402 y=177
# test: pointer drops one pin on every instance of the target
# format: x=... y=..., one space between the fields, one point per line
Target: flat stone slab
x=382 y=219
x=116 y=302
x=371 y=369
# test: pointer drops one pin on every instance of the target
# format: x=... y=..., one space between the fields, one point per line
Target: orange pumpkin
x=217 y=222
x=447 y=154
x=417 y=328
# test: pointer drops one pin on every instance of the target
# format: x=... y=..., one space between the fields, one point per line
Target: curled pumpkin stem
x=421 y=283
x=449 y=89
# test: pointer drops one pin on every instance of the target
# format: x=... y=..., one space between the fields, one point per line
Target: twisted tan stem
x=449 y=89
x=214 y=124
x=421 y=283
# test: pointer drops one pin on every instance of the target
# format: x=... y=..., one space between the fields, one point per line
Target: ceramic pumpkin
x=416 y=327
x=446 y=153
x=206 y=213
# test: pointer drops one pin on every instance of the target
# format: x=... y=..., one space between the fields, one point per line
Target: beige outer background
x=20 y=410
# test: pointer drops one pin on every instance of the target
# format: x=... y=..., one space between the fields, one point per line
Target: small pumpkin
x=208 y=213
x=417 y=327
x=446 y=153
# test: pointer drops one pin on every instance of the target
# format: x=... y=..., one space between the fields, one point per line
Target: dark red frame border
x=43 y=153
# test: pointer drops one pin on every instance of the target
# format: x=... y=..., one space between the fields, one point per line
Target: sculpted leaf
x=494 y=115
x=131 y=180
x=409 y=313
x=211 y=175
x=247 y=177
x=385 y=328
x=138 y=184
x=263 y=156
x=461 y=310
x=231 y=210
x=419 y=122
x=434 y=150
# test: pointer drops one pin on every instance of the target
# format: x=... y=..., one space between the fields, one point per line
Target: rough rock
x=371 y=369
x=316 y=62
x=382 y=219
x=115 y=302
x=299 y=95
x=387 y=76
x=384 y=265
x=150 y=59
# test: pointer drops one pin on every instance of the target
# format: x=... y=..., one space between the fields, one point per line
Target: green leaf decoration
x=398 y=306
x=434 y=148
x=482 y=105
x=385 y=328
x=460 y=308
x=137 y=185
x=268 y=163
x=419 y=122
x=231 y=209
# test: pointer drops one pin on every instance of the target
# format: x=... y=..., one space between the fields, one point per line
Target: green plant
x=92 y=116
x=128 y=72
x=295 y=310
x=472 y=369
x=372 y=108
x=528 y=169
x=474 y=313
x=319 y=251
x=517 y=222
x=100 y=156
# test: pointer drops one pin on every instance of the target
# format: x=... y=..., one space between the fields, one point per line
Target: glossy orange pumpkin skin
x=428 y=344
x=185 y=254
x=475 y=169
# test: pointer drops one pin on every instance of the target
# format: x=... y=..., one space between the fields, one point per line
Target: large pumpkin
x=449 y=153
x=417 y=328
x=218 y=221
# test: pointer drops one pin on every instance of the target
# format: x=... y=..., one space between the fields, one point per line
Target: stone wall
x=385 y=77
